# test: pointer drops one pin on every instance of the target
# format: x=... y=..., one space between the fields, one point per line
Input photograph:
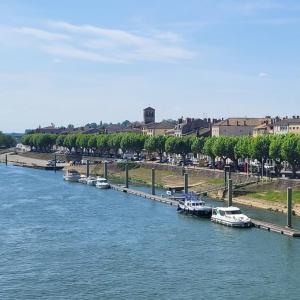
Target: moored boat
x=72 y=175
x=83 y=179
x=230 y=216
x=194 y=207
x=102 y=183
x=91 y=180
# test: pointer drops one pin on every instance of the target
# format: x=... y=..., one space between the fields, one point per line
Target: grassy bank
x=274 y=196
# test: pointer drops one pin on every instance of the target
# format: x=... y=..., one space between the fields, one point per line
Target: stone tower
x=149 y=115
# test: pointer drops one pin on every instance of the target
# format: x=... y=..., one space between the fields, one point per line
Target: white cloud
x=98 y=44
x=41 y=34
x=263 y=74
x=74 y=53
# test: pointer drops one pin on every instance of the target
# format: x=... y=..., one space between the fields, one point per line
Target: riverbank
x=264 y=195
x=31 y=161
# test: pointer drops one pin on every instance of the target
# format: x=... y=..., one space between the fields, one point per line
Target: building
x=263 y=129
x=154 y=129
x=191 y=126
x=149 y=115
x=49 y=129
x=287 y=125
x=238 y=126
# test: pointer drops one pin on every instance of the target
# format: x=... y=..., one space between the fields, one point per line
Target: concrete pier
x=230 y=192
x=153 y=181
x=126 y=176
x=186 y=183
x=289 y=207
x=105 y=170
x=87 y=168
x=55 y=160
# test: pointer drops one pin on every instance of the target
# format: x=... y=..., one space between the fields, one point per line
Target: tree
x=133 y=142
x=102 y=143
x=70 y=142
x=197 y=145
x=259 y=148
x=82 y=141
x=275 y=152
x=60 y=139
x=178 y=145
x=156 y=144
x=92 y=143
x=224 y=147
x=208 y=148
x=242 y=147
x=7 y=141
x=114 y=142
x=290 y=151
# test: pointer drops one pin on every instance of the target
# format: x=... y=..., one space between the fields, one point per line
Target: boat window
x=233 y=212
x=222 y=213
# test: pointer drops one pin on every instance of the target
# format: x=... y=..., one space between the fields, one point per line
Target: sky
x=77 y=62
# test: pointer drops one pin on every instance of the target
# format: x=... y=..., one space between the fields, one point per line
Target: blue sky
x=76 y=62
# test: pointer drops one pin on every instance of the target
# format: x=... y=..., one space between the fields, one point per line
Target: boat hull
x=103 y=187
x=71 y=179
x=237 y=224
x=203 y=213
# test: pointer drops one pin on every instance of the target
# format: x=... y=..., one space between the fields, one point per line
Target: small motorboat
x=83 y=179
x=72 y=175
x=91 y=180
x=230 y=216
x=194 y=206
x=102 y=183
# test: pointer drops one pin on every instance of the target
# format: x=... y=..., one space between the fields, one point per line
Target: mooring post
x=153 y=181
x=105 y=170
x=87 y=168
x=289 y=206
x=182 y=170
x=186 y=183
x=230 y=192
x=126 y=176
x=6 y=159
x=55 y=162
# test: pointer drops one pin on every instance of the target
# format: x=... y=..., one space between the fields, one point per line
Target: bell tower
x=149 y=115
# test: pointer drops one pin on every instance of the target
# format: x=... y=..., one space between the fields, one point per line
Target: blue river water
x=60 y=240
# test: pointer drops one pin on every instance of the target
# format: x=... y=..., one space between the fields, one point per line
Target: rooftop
x=243 y=122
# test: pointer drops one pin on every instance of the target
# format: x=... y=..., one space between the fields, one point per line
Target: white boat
x=102 y=183
x=83 y=179
x=72 y=175
x=91 y=180
x=194 y=207
x=230 y=216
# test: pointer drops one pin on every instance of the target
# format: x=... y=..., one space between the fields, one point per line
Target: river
x=60 y=240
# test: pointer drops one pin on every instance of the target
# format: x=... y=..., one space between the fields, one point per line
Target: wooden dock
x=144 y=195
x=276 y=228
x=256 y=223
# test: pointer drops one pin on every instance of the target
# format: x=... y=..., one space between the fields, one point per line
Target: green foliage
x=208 y=148
x=132 y=142
x=7 y=141
x=102 y=143
x=259 y=148
x=156 y=144
x=197 y=145
x=290 y=151
x=242 y=147
x=70 y=142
